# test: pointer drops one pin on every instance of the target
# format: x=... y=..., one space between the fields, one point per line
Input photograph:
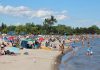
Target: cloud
x=15 y=11
x=61 y=17
x=42 y=13
x=23 y=11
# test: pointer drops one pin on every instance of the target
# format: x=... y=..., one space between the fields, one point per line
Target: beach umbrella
x=32 y=40
x=11 y=38
x=41 y=38
x=13 y=49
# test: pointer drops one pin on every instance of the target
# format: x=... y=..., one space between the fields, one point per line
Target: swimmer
x=89 y=51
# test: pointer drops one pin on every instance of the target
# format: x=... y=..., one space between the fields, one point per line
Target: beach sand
x=36 y=60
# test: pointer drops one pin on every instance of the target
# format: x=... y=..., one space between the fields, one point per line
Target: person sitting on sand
x=2 y=52
x=47 y=44
x=37 y=44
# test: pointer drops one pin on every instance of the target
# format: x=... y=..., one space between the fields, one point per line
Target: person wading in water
x=89 y=49
x=62 y=48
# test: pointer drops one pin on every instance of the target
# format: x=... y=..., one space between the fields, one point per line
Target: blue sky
x=74 y=13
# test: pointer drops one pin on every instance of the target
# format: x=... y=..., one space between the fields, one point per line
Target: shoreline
x=37 y=59
x=59 y=57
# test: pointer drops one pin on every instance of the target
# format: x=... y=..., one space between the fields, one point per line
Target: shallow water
x=81 y=61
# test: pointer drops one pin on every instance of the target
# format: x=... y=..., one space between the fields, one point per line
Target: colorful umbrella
x=41 y=38
x=11 y=38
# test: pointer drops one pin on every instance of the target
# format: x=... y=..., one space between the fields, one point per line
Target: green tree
x=20 y=28
x=11 y=28
x=62 y=29
x=3 y=26
x=93 y=29
x=5 y=30
x=48 y=22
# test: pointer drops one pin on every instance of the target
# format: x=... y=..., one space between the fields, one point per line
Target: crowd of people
x=30 y=42
x=53 y=42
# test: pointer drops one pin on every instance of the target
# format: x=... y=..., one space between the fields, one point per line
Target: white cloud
x=42 y=13
x=15 y=11
x=23 y=11
x=62 y=17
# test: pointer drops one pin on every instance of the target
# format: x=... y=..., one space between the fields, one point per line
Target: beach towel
x=13 y=49
x=45 y=48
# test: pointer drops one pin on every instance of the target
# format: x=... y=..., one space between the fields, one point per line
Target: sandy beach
x=36 y=60
x=42 y=58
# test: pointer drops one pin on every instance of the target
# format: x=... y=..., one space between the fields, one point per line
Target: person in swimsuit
x=89 y=51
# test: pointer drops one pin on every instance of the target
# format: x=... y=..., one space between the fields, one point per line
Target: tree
x=5 y=30
x=47 y=28
x=48 y=22
x=29 y=27
x=20 y=28
x=62 y=29
x=52 y=20
x=11 y=28
x=77 y=30
x=93 y=29
x=40 y=29
x=3 y=27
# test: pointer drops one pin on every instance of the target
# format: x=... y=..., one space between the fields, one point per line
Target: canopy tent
x=25 y=42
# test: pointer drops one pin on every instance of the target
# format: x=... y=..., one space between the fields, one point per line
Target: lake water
x=81 y=61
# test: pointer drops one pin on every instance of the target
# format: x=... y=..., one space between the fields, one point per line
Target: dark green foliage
x=47 y=28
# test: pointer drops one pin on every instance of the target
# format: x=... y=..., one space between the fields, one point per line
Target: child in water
x=89 y=51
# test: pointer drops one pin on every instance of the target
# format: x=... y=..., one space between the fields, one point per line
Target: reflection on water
x=81 y=61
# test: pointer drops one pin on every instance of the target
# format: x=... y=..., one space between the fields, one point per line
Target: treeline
x=47 y=27
x=31 y=28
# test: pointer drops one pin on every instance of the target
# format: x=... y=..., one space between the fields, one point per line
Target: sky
x=74 y=13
